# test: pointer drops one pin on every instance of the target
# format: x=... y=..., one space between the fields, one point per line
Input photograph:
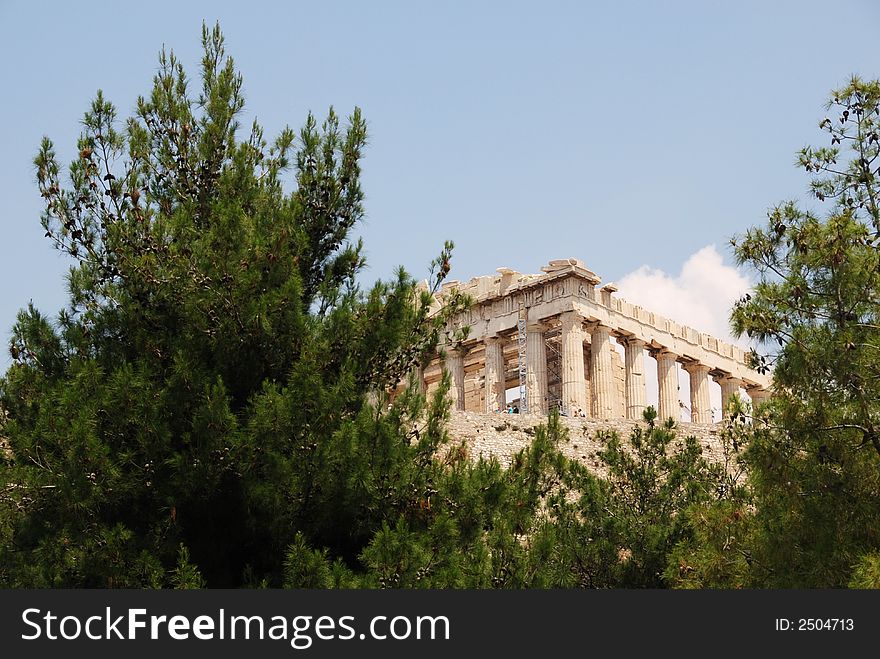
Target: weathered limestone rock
x=503 y=435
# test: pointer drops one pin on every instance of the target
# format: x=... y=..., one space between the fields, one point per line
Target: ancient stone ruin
x=549 y=337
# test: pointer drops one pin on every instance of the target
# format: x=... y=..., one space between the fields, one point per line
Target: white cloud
x=700 y=296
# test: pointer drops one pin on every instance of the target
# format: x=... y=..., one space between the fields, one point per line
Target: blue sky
x=630 y=135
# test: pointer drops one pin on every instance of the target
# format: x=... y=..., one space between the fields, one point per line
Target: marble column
x=701 y=408
x=454 y=363
x=418 y=375
x=667 y=380
x=634 y=360
x=536 y=369
x=574 y=388
x=729 y=387
x=759 y=396
x=495 y=371
x=601 y=372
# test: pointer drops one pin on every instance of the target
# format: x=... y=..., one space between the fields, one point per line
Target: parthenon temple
x=549 y=337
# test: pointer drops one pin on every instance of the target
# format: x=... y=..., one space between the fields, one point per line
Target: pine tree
x=624 y=528
x=202 y=403
x=814 y=461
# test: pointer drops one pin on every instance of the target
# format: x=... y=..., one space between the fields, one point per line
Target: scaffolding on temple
x=521 y=342
x=552 y=341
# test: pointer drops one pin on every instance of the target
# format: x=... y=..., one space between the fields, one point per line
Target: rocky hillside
x=503 y=435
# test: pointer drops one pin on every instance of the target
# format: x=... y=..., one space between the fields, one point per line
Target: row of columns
x=602 y=390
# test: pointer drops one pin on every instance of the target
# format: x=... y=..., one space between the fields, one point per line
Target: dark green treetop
x=202 y=400
x=815 y=461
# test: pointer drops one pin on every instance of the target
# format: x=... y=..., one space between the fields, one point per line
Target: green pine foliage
x=208 y=385
x=814 y=462
x=185 y=575
x=652 y=484
x=620 y=530
x=717 y=550
x=212 y=408
x=867 y=572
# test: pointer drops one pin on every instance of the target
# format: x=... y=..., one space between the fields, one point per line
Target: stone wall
x=503 y=435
